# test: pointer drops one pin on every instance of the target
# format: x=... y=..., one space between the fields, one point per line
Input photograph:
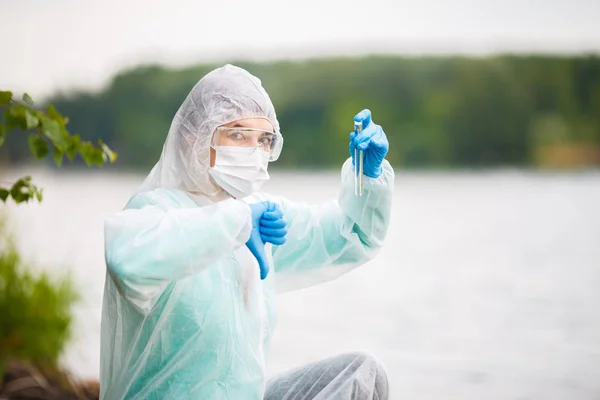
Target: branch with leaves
x=47 y=133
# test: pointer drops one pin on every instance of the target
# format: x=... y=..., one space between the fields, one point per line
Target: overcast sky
x=50 y=44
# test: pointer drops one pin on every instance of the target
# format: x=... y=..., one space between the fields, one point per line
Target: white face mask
x=240 y=171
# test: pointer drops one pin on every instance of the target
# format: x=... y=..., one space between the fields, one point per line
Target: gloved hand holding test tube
x=368 y=148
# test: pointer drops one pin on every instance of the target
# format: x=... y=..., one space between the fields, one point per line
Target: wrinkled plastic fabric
x=185 y=314
x=352 y=376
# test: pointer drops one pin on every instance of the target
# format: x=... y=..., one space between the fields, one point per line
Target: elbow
x=371 y=249
x=117 y=249
x=362 y=247
x=117 y=266
x=125 y=277
x=118 y=263
x=374 y=238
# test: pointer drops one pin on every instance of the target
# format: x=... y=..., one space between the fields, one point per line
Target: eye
x=266 y=140
x=236 y=135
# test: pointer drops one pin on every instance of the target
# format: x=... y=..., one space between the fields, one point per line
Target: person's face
x=230 y=137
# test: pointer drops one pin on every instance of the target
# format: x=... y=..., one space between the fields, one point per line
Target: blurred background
x=489 y=286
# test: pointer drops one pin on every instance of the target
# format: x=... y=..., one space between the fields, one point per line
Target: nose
x=256 y=146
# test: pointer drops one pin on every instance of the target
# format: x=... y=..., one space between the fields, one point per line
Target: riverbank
x=26 y=382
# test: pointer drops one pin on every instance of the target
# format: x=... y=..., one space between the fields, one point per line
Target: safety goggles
x=268 y=141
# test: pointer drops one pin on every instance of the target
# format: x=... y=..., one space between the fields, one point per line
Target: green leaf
x=2 y=134
x=98 y=157
x=5 y=97
x=27 y=99
x=73 y=146
x=4 y=194
x=22 y=190
x=86 y=150
x=11 y=121
x=53 y=131
x=91 y=154
x=55 y=115
x=31 y=120
x=53 y=112
x=38 y=146
x=38 y=194
x=58 y=156
x=15 y=117
x=108 y=154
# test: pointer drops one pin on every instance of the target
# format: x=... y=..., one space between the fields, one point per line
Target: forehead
x=256 y=123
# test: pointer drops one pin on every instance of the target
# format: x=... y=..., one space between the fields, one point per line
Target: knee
x=369 y=360
x=375 y=373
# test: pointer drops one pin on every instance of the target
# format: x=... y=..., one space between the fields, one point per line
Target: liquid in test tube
x=358 y=167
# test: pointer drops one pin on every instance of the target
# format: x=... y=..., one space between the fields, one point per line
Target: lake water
x=488 y=288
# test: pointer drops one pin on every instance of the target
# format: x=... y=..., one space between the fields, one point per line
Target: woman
x=194 y=259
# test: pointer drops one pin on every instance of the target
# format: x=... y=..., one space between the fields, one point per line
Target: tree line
x=437 y=111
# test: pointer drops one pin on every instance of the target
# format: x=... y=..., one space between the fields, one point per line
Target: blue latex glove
x=373 y=141
x=273 y=228
x=268 y=226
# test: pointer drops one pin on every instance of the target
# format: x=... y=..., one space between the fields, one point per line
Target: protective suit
x=185 y=313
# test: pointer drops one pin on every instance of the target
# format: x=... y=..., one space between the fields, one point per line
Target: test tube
x=358 y=161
